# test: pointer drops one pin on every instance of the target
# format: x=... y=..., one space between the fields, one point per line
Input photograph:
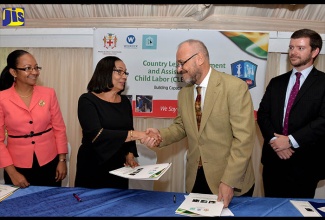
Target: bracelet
x=131 y=135
x=63 y=160
x=100 y=131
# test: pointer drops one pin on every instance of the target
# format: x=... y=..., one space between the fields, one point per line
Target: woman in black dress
x=106 y=119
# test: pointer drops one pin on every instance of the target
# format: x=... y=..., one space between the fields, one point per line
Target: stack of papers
x=310 y=209
x=145 y=172
x=6 y=191
x=196 y=204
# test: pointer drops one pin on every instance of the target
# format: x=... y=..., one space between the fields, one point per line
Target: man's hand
x=285 y=154
x=281 y=142
x=152 y=133
x=225 y=193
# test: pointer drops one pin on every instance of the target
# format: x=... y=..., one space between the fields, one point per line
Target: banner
x=150 y=58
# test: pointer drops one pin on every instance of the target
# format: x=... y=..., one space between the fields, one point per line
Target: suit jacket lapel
x=36 y=99
x=210 y=98
x=14 y=97
x=282 y=90
x=311 y=78
x=189 y=97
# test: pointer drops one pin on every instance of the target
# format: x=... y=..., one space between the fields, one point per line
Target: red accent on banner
x=160 y=109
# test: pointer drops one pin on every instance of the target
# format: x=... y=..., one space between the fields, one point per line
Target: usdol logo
x=13 y=17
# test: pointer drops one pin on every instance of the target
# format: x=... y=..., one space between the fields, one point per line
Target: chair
x=2 y=180
x=320 y=190
x=146 y=157
x=65 y=182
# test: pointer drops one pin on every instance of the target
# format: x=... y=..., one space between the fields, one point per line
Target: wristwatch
x=290 y=143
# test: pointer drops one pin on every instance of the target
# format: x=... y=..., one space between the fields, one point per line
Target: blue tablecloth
x=60 y=202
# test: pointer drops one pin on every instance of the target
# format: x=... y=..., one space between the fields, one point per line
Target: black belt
x=31 y=134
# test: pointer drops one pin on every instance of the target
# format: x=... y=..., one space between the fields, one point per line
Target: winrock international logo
x=13 y=17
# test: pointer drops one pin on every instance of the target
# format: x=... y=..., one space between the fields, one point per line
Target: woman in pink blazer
x=33 y=140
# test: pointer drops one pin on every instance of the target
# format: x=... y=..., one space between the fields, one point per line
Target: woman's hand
x=17 y=178
x=130 y=160
x=61 y=170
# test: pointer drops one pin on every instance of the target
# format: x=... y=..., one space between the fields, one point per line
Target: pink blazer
x=15 y=117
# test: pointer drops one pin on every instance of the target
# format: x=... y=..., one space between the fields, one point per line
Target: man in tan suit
x=219 y=152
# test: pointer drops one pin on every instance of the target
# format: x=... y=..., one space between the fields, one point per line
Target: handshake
x=150 y=137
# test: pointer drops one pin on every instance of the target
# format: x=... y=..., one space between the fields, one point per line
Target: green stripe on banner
x=253 y=46
x=247 y=45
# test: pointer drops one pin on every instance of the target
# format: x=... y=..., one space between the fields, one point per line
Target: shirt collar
x=205 y=81
x=304 y=72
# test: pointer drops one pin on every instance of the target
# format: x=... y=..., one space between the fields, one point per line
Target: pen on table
x=174 y=198
x=77 y=197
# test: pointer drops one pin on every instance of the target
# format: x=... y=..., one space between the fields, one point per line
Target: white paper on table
x=145 y=172
x=305 y=208
x=200 y=204
x=224 y=212
x=6 y=191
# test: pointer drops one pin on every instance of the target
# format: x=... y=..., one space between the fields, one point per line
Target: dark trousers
x=201 y=185
x=283 y=183
x=38 y=175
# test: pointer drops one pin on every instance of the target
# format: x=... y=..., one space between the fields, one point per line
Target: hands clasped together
x=152 y=139
x=280 y=144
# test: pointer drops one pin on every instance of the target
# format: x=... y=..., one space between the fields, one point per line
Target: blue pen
x=77 y=197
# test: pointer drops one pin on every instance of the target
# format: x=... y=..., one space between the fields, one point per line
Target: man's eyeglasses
x=121 y=72
x=30 y=69
x=181 y=64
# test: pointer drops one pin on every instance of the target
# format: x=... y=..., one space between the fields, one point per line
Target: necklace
x=26 y=96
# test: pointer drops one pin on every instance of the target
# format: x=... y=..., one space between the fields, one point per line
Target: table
x=37 y=201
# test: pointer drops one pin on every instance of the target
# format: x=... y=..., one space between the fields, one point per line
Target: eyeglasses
x=181 y=64
x=30 y=69
x=121 y=72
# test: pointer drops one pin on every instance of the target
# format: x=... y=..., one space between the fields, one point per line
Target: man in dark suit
x=293 y=158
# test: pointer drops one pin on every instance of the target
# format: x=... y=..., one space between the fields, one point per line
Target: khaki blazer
x=225 y=140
